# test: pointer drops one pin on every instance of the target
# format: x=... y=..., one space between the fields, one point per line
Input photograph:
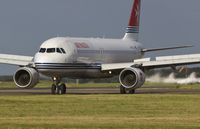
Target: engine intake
x=132 y=78
x=26 y=78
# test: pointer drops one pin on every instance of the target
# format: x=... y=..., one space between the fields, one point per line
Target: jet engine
x=132 y=78
x=26 y=77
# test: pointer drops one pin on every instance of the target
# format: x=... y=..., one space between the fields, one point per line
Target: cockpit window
x=42 y=50
x=51 y=50
x=63 y=51
x=58 y=50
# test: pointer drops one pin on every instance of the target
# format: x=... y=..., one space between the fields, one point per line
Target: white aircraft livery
x=93 y=58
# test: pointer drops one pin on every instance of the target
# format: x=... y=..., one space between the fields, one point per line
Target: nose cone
x=46 y=62
x=49 y=58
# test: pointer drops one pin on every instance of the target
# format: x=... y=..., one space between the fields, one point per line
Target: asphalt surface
x=100 y=90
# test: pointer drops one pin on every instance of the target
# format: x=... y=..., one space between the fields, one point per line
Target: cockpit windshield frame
x=42 y=50
x=52 y=50
x=63 y=50
x=58 y=50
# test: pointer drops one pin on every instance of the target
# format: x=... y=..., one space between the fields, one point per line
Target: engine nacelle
x=26 y=77
x=132 y=78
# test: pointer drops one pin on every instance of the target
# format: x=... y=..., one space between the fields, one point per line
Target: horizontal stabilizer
x=161 y=49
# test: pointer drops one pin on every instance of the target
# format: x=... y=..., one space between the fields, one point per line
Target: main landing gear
x=123 y=90
x=57 y=87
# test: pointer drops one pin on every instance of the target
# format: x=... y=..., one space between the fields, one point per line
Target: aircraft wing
x=158 y=62
x=16 y=60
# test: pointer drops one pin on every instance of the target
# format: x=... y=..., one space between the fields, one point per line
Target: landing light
x=54 y=79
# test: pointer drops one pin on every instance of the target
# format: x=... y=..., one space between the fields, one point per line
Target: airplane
x=94 y=58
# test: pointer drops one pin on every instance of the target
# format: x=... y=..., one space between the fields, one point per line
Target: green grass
x=149 y=111
x=100 y=111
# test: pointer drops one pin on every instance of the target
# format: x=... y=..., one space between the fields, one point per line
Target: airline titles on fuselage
x=81 y=45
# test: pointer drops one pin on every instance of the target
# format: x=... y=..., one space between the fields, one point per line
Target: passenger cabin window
x=63 y=51
x=51 y=50
x=42 y=50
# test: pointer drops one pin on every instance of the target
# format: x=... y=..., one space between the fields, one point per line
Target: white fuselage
x=83 y=56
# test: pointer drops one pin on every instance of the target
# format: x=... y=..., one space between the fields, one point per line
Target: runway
x=99 y=90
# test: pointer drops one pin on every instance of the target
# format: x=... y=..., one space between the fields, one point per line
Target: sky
x=25 y=24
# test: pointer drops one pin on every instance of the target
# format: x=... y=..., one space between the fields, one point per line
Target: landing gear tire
x=58 y=89
x=122 y=90
x=53 y=89
x=132 y=91
x=62 y=88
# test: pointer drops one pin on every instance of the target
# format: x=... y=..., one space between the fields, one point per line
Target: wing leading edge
x=16 y=60
x=158 y=62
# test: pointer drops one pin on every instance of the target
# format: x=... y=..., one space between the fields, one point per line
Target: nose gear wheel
x=57 y=87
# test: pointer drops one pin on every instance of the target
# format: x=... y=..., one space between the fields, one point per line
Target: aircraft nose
x=48 y=58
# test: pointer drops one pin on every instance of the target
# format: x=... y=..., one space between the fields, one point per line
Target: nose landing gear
x=57 y=87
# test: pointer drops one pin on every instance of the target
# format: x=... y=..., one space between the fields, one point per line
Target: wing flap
x=15 y=59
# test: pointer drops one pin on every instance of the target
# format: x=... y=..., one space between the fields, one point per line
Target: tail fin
x=133 y=26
